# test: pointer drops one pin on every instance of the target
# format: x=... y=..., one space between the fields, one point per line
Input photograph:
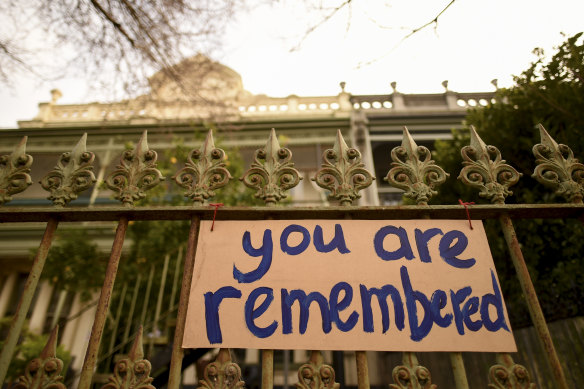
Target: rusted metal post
x=103 y=306
x=458 y=370
x=344 y=174
x=362 y=370
x=26 y=299
x=480 y=160
x=174 y=377
x=414 y=171
x=267 y=369
x=532 y=302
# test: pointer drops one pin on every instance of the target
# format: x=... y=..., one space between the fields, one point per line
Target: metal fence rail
x=272 y=173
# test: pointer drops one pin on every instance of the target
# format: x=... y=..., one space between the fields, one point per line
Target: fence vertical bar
x=480 y=160
x=204 y=172
x=458 y=370
x=414 y=171
x=532 y=302
x=103 y=306
x=174 y=375
x=271 y=173
x=26 y=299
x=344 y=174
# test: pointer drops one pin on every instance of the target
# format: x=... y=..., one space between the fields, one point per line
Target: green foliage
x=29 y=348
x=75 y=263
x=550 y=93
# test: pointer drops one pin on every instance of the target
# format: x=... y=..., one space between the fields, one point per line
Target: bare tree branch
x=111 y=42
x=326 y=18
x=433 y=21
x=409 y=35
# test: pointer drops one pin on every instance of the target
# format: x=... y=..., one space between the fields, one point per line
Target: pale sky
x=475 y=41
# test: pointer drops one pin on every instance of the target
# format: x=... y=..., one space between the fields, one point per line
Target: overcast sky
x=473 y=43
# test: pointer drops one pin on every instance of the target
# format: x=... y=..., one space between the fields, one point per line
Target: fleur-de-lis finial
x=222 y=374
x=275 y=175
x=411 y=375
x=484 y=169
x=204 y=172
x=316 y=375
x=557 y=168
x=342 y=172
x=509 y=375
x=135 y=174
x=14 y=172
x=43 y=372
x=72 y=175
x=413 y=170
x=133 y=371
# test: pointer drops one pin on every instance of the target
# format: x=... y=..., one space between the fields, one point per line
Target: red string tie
x=465 y=205
x=216 y=205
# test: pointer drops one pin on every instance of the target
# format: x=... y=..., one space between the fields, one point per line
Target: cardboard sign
x=401 y=285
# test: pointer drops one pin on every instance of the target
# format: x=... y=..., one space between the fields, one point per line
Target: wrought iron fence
x=271 y=174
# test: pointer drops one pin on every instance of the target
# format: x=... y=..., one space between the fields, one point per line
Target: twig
x=415 y=30
x=324 y=20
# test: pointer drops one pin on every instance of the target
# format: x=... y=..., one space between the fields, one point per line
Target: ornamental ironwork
x=316 y=375
x=509 y=375
x=222 y=374
x=271 y=173
x=411 y=375
x=414 y=171
x=135 y=174
x=43 y=372
x=14 y=172
x=132 y=372
x=486 y=170
x=204 y=172
x=557 y=168
x=72 y=175
x=342 y=172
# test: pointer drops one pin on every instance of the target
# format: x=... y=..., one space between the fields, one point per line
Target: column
x=41 y=307
x=7 y=292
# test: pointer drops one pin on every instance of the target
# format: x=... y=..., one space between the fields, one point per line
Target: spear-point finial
x=271 y=173
x=414 y=171
x=43 y=372
x=316 y=374
x=72 y=175
x=135 y=174
x=204 y=172
x=342 y=172
x=222 y=373
x=557 y=168
x=14 y=172
x=133 y=371
x=486 y=170
x=137 y=350
x=50 y=349
x=411 y=375
x=507 y=374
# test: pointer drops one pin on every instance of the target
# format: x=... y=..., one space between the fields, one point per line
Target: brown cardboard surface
x=220 y=251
